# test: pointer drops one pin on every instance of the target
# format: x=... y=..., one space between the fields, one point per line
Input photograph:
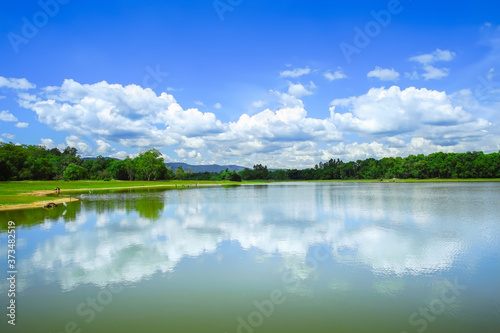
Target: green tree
x=150 y=165
x=233 y=176
x=260 y=172
x=74 y=172
x=278 y=175
x=179 y=173
x=130 y=168
x=117 y=170
x=61 y=162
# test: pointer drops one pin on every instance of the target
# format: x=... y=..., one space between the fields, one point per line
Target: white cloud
x=410 y=112
x=82 y=147
x=426 y=60
x=298 y=90
x=8 y=136
x=384 y=74
x=129 y=115
x=259 y=104
x=182 y=153
x=296 y=72
x=412 y=76
x=121 y=155
x=384 y=121
x=193 y=143
x=393 y=147
x=48 y=143
x=7 y=116
x=438 y=55
x=433 y=73
x=217 y=106
x=22 y=125
x=199 y=103
x=103 y=148
x=337 y=75
x=14 y=83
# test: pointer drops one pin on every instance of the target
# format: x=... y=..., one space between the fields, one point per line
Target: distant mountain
x=204 y=168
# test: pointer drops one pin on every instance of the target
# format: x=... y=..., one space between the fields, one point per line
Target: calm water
x=277 y=258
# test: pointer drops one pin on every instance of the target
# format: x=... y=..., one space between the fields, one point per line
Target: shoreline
x=69 y=198
x=190 y=184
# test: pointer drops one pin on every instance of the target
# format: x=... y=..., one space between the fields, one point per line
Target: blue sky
x=283 y=83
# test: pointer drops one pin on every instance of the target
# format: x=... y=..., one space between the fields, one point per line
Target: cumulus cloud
x=358 y=151
x=83 y=147
x=7 y=116
x=102 y=116
x=433 y=73
x=121 y=155
x=384 y=74
x=411 y=112
x=298 y=90
x=182 y=153
x=194 y=143
x=22 y=125
x=13 y=83
x=103 y=148
x=48 y=143
x=129 y=115
x=296 y=72
x=337 y=75
x=217 y=106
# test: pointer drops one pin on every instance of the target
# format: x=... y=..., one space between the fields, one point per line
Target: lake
x=286 y=257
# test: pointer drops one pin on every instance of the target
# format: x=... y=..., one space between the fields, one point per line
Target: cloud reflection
x=118 y=245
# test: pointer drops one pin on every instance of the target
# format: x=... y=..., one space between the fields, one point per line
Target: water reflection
x=390 y=229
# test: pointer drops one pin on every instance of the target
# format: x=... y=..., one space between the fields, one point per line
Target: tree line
x=30 y=162
x=436 y=165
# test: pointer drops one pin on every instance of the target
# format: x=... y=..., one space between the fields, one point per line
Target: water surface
x=301 y=257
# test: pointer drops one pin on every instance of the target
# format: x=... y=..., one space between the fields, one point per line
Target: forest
x=31 y=162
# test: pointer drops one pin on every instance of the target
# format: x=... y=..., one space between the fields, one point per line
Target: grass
x=31 y=192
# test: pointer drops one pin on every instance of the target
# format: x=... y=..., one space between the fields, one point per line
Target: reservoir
x=282 y=257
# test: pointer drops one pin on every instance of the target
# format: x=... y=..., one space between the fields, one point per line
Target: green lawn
x=16 y=192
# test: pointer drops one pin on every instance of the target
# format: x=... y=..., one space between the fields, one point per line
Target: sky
x=282 y=83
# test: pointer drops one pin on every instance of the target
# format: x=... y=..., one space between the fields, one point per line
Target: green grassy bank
x=17 y=194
